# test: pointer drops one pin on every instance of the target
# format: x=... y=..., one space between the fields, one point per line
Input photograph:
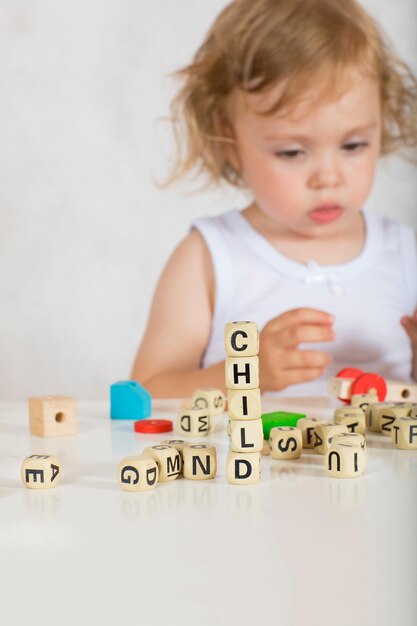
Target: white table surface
x=299 y=548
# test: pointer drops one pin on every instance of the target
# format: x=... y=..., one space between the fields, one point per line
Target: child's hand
x=409 y=324
x=281 y=363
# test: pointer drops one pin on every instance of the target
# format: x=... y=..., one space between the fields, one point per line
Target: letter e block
x=246 y=435
x=136 y=473
x=241 y=339
x=286 y=442
x=41 y=471
x=200 y=462
x=242 y=373
x=243 y=469
x=404 y=433
x=52 y=416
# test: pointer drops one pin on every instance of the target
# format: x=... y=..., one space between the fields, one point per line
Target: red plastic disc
x=153 y=426
x=349 y=372
x=368 y=381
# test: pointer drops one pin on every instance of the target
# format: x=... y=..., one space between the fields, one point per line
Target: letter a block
x=286 y=442
x=200 y=462
x=243 y=469
x=246 y=435
x=242 y=373
x=345 y=461
x=241 y=339
x=138 y=474
x=404 y=433
x=129 y=401
x=353 y=417
x=52 y=416
x=168 y=459
x=193 y=422
x=323 y=436
x=244 y=404
x=41 y=471
x=307 y=425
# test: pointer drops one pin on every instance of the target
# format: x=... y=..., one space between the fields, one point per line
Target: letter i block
x=353 y=417
x=212 y=400
x=286 y=442
x=129 y=401
x=241 y=339
x=323 y=436
x=168 y=460
x=244 y=404
x=41 y=471
x=193 y=422
x=246 y=435
x=404 y=433
x=200 y=462
x=242 y=373
x=243 y=469
x=138 y=474
x=52 y=416
x=345 y=461
x=307 y=425
x=351 y=439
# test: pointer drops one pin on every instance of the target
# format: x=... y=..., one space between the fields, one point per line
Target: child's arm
x=410 y=325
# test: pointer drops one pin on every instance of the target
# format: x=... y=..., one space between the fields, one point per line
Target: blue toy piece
x=129 y=401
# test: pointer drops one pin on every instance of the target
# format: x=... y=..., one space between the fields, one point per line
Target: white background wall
x=84 y=230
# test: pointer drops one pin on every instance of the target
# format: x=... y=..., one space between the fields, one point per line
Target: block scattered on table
x=41 y=471
x=52 y=416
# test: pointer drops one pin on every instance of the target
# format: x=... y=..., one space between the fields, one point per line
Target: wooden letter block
x=168 y=459
x=323 y=435
x=345 y=461
x=363 y=400
x=372 y=415
x=194 y=422
x=52 y=416
x=178 y=444
x=286 y=442
x=243 y=469
x=387 y=417
x=246 y=435
x=244 y=404
x=41 y=471
x=242 y=373
x=136 y=473
x=212 y=400
x=404 y=433
x=307 y=425
x=200 y=462
x=241 y=339
x=353 y=417
x=351 y=439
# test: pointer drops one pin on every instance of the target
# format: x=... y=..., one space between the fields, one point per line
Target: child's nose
x=327 y=172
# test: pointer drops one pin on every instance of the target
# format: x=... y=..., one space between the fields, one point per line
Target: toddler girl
x=294 y=100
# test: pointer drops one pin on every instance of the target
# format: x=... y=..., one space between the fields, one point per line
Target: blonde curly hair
x=255 y=44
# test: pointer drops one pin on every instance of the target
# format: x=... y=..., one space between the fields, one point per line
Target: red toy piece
x=365 y=382
x=153 y=426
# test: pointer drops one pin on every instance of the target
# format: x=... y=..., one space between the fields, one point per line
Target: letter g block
x=138 y=474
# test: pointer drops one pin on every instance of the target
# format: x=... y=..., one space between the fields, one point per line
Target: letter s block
x=242 y=373
x=52 y=416
x=138 y=474
x=345 y=461
x=212 y=400
x=286 y=442
x=404 y=433
x=246 y=435
x=243 y=469
x=168 y=459
x=41 y=471
x=193 y=422
x=200 y=462
x=241 y=339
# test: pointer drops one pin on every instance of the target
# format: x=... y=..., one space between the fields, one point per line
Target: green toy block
x=279 y=418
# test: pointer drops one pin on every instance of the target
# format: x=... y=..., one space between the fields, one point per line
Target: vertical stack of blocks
x=243 y=402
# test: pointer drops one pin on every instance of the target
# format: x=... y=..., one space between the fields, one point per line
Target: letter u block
x=244 y=404
x=241 y=339
x=136 y=473
x=52 y=416
x=194 y=422
x=242 y=373
x=404 y=433
x=353 y=417
x=323 y=436
x=243 y=469
x=246 y=435
x=41 y=471
x=345 y=461
x=286 y=442
x=168 y=459
x=200 y=462
x=212 y=400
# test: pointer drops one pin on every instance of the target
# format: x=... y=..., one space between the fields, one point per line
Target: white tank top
x=367 y=296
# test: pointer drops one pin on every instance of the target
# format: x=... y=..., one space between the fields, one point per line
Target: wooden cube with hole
x=52 y=416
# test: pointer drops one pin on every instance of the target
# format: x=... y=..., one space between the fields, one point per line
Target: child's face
x=311 y=172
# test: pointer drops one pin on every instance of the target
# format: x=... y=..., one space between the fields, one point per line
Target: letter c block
x=241 y=339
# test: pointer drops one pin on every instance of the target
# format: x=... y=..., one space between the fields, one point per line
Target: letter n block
x=387 y=417
x=41 y=471
x=243 y=469
x=138 y=474
x=52 y=416
x=200 y=462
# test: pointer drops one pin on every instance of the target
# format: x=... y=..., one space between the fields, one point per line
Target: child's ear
x=230 y=150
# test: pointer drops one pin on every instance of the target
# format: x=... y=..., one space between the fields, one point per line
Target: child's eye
x=288 y=154
x=354 y=146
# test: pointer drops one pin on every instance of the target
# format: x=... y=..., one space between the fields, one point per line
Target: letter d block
x=241 y=339
x=200 y=462
x=41 y=471
x=345 y=461
x=242 y=373
x=193 y=422
x=168 y=460
x=246 y=435
x=138 y=474
x=52 y=416
x=243 y=469
x=286 y=442
x=244 y=404
x=404 y=433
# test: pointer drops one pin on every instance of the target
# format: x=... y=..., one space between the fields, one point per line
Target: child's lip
x=326 y=213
